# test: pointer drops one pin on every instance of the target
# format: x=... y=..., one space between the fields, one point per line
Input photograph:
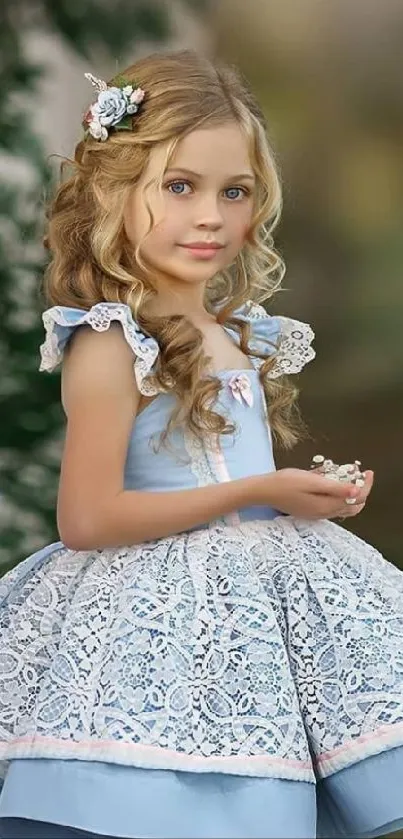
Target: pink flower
x=137 y=96
x=88 y=117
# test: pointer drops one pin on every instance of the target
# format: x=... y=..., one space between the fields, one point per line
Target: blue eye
x=233 y=193
x=175 y=184
x=235 y=189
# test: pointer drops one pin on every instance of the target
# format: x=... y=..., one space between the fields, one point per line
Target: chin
x=196 y=276
x=189 y=274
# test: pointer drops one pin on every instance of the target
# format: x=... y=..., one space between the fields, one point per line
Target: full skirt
x=251 y=673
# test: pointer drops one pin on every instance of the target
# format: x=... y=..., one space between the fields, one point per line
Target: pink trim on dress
x=156 y=757
x=218 y=459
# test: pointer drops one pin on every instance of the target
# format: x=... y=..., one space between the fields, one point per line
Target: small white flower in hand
x=345 y=473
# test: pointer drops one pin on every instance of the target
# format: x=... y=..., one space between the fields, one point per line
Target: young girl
x=205 y=653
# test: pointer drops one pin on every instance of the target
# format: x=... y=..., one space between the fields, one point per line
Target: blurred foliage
x=91 y=23
x=32 y=421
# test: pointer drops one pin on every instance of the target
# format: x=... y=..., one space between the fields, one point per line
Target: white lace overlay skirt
x=271 y=649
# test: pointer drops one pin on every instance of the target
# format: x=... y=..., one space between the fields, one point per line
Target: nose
x=208 y=214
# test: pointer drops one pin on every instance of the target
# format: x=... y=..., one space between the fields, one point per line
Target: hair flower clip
x=114 y=107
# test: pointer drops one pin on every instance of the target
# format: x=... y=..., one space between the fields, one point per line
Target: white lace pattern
x=295 y=348
x=269 y=649
x=100 y=318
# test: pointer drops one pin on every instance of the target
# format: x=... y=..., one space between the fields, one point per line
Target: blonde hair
x=92 y=260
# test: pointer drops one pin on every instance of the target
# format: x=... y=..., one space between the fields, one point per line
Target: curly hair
x=92 y=260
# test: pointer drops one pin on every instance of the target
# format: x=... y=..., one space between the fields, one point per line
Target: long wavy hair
x=92 y=260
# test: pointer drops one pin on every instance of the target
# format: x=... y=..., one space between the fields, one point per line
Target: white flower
x=98 y=83
x=110 y=107
x=97 y=130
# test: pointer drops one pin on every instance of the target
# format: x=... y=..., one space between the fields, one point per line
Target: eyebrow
x=243 y=176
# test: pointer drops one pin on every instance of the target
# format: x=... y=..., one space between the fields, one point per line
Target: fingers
x=345 y=490
x=369 y=482
x=335 y=489
x=350 y=511
x=362 y=493
x=361 y=497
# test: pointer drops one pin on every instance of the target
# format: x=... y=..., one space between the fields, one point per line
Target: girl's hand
x=308 y=495
x=361 y=494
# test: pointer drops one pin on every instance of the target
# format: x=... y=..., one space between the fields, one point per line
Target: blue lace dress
x=239 y=679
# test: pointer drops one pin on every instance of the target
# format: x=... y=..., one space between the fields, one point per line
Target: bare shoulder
x=100 y=399
x=97 y=362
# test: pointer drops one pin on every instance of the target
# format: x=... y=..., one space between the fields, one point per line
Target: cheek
x=168 y=230
x=156 y=242
x=146 y=209
x=242 y=227
x=246 y=228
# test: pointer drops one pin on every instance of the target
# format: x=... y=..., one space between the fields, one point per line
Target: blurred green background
x=329 y=78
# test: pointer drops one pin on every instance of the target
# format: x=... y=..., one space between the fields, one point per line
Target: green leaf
x=121 y=81
x=125 y=123
x=32 y=417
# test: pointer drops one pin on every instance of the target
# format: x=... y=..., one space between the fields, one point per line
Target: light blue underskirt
x=363 y=800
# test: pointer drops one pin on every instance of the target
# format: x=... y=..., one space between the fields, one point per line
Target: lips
x=207 y=246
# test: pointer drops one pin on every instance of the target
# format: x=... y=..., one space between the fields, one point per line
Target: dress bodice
x=186 y=462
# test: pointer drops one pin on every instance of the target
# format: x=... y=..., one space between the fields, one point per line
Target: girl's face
x=206 y=197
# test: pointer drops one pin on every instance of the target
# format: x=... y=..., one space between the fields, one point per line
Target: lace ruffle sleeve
x=294 y=347
x=61 y=321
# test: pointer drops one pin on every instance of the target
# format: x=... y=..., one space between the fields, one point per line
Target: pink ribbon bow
x=241 y=389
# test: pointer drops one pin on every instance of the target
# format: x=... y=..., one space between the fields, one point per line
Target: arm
x=100 y=399
x=133 y=517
